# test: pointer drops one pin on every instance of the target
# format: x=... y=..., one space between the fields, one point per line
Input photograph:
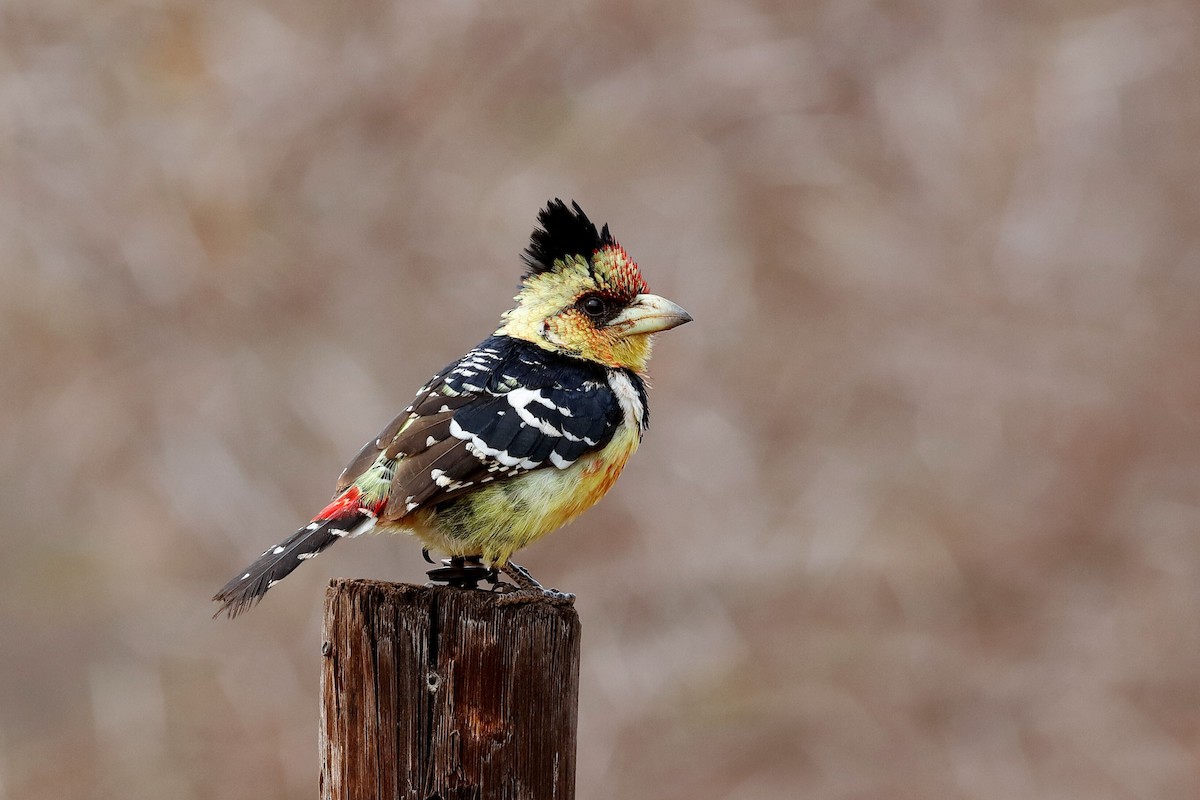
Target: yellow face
x=597 y=309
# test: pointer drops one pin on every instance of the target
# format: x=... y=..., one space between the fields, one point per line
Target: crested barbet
x=516 y=438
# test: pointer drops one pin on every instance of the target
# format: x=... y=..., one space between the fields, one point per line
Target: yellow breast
x=497 y=521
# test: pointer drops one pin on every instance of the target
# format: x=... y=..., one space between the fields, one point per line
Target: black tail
x=278 y=562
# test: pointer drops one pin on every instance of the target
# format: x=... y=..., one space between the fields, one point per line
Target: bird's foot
x=515 y=597
x=463 y=572
x=527 y=589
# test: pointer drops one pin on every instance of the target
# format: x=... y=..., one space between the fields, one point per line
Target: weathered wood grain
x=447 y=694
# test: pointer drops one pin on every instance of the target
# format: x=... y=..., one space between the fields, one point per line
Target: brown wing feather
x=440 y=473
x=429 y=404
x=414 y=483
x=423 y=433
x=370 y=451
x=365 y=458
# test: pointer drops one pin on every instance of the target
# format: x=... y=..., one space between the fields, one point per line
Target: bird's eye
x=594 y=306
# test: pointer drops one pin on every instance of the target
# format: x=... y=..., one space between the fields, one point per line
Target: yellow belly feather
x=499 y=520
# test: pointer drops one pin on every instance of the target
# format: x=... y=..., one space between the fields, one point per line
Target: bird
x=516 y=438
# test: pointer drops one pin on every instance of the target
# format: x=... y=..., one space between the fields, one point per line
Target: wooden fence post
x=438 y=693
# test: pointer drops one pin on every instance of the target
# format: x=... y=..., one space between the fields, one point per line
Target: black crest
x=563 y=232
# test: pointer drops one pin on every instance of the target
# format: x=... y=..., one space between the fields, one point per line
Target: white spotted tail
x=277 y=562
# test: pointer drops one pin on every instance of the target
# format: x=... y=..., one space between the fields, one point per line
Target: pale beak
x=649 y=313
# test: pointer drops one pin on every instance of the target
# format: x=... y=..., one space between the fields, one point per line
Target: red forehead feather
x=625 y=273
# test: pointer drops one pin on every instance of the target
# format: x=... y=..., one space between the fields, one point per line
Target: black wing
x=505 y=408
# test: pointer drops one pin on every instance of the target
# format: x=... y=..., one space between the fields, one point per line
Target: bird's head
x=583 y=296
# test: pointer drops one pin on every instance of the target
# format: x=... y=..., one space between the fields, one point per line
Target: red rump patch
x=345 y=505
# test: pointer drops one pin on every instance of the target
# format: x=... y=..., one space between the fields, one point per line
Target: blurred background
x=917 y=514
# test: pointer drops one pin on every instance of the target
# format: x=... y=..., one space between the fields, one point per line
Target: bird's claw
x=528 y=590
x=515 y=596
x=463 y=572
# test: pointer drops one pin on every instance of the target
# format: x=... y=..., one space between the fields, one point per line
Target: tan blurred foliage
x=917 y=515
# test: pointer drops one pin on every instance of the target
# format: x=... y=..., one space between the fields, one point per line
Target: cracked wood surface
x=442 y=693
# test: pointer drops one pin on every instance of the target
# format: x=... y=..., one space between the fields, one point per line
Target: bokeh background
x=917 y=515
